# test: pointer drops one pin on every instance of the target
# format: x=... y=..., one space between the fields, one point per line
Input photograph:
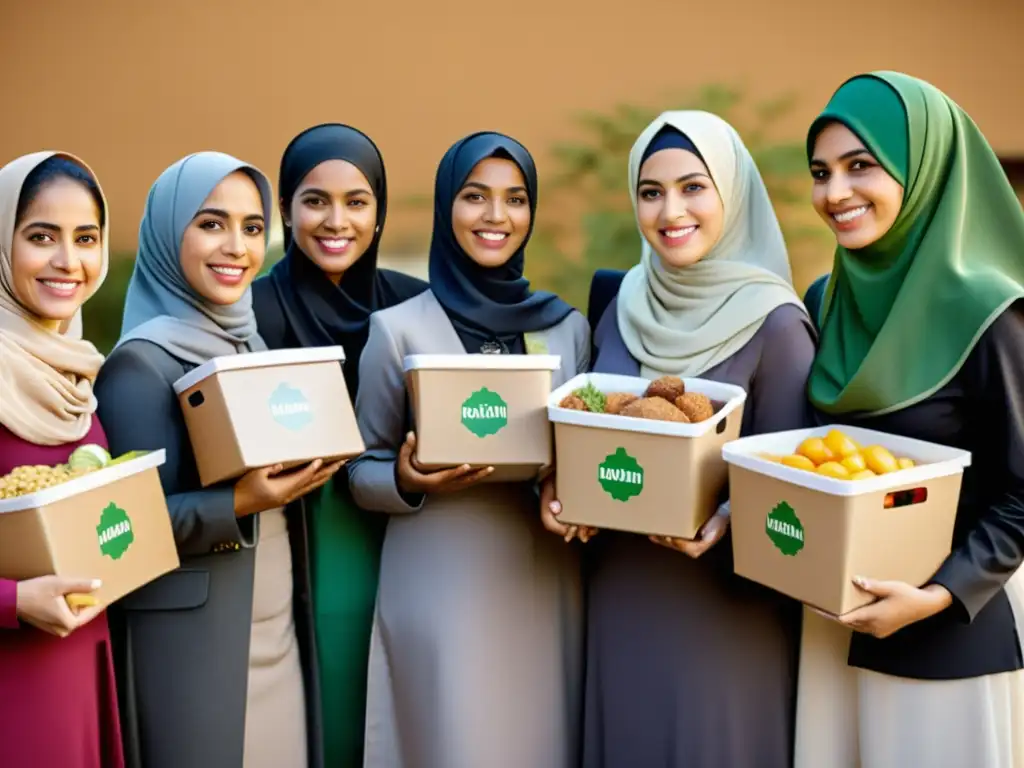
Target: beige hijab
x=686 y=321
x=45 y=377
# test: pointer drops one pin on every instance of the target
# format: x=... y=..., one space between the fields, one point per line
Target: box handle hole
x=906 y=498
x=196 y=398
x=721 y=426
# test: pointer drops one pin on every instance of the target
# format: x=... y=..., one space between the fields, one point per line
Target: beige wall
x=133 y=85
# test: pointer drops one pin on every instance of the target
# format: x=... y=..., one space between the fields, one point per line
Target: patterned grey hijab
x=161 y=306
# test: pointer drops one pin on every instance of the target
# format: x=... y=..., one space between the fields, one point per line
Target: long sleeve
x=994 y=548
x=139 y=411
x=9 y=604
x=778 y=392
x=381 y=414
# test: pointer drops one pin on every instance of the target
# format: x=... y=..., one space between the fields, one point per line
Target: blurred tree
x=590 y=184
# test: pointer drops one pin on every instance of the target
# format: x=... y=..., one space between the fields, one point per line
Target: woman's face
x=223 y=247
x=57 y=255
x=852 y=192
x=333 y=216
x=491 y=213
x=678 y=207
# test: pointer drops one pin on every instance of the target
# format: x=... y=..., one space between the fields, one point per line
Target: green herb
x=592 y=397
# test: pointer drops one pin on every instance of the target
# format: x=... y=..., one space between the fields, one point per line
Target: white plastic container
x=673 y=472
x=808 y=536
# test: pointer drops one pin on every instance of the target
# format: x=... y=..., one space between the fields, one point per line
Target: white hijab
x=686 y=321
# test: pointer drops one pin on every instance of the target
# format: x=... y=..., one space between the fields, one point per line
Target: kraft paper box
x=278 y=407
x=111 y=524
x=807 y=536
x=640 y=475
x=482 y=410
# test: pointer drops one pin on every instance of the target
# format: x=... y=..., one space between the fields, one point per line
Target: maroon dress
x=58 y=701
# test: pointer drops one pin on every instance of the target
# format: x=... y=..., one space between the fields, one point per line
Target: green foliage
x=592 y=174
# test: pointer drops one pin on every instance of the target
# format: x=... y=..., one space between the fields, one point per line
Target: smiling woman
x=210 y=650
x=52 y=258
x=488 y=675
x=57 y=256
x=224 y=246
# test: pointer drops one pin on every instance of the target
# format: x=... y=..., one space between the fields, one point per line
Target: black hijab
x=495 y=304
x=317 y=312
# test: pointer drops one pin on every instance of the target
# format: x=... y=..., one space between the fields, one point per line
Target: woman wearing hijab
x=210 y=666
x=476 y=640
x=922 y=335
x=688 y=665
x=333 y=198
x=58 y=705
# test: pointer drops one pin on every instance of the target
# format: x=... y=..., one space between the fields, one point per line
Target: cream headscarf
x=45 y=377
x=686 y=321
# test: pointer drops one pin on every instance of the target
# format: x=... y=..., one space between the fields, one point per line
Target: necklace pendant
x=492 y=348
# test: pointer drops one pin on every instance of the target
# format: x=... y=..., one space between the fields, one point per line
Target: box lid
x=933 y=460
x=482 y=362
x=730 y=394
x=97 y=479
x=265 y=359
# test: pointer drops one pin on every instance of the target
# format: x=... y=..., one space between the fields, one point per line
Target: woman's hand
x=271 y=487
x=710 y=534
x=899 y=605
x=551 y=508
x=42 y=602
x=414 y=478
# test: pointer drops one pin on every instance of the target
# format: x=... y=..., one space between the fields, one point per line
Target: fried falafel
x=667 y=388
x=656 y=408
x=696 y=406
x=573 y=403
x=616 y=401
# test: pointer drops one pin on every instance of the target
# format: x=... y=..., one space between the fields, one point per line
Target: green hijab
x=900 y=317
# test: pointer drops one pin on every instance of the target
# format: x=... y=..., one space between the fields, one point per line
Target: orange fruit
x=879 y=460
x=905 y=463
x=864 y=474
x=769 y=457
x=834 y=469
x=840 y=445
x=814 y=448
x=854 y=463
x=798 y=462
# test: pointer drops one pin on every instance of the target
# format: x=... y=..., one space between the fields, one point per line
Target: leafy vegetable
x=592 y=397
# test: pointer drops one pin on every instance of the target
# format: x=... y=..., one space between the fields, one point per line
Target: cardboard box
x=482 y=410
x=652 y=477
x=808 y=536
x=111 y=524
x=285 y=407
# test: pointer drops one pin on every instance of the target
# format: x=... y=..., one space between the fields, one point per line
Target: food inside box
x=839 y=456
x=665 y=399
x=31 y=478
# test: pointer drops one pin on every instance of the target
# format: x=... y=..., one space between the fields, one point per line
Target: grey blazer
x=181 y=643
x=420 y=326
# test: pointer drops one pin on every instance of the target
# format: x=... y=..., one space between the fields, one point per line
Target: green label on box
x=290 y=408
x=114 y=532
x=621 y=476
x=785 y=529
x=484 y=413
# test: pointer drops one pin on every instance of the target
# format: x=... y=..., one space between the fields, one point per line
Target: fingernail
x=555 y=508
x=96 y=583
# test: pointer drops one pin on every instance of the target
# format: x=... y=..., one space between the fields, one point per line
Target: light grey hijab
x=161 y=306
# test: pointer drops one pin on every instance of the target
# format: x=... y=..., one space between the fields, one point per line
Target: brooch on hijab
x=493 y=348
